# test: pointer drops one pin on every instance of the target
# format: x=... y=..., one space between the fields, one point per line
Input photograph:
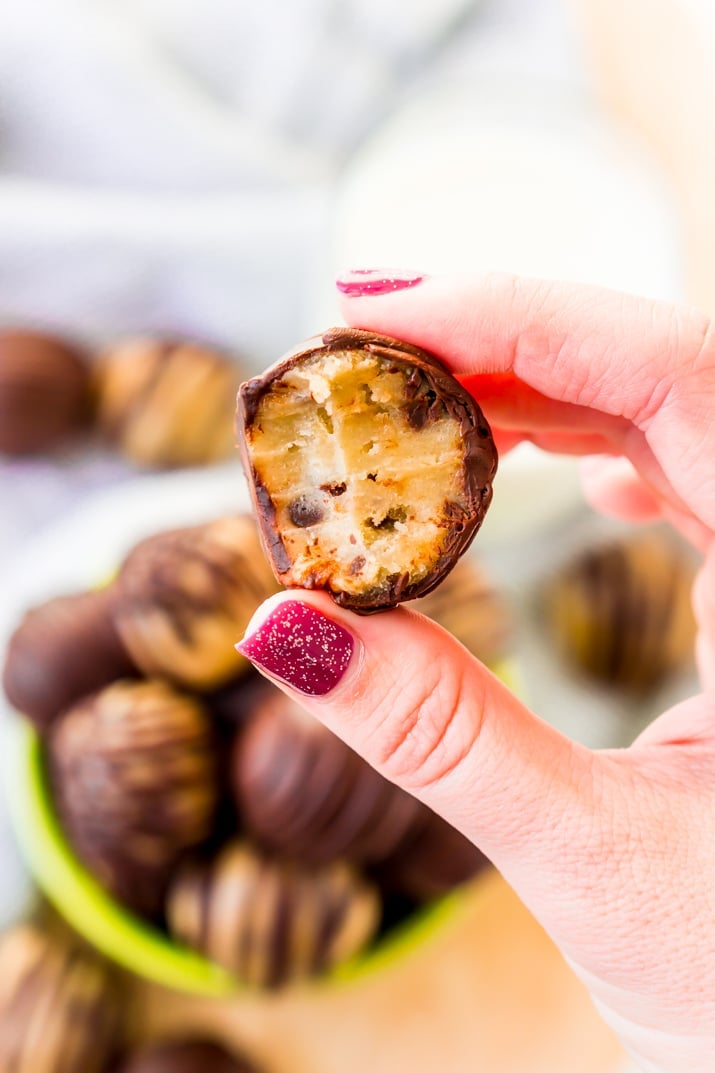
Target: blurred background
x=194 y=174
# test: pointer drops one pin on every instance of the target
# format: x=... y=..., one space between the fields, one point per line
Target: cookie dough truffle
x=133 y=770
x=370 y=466
x=167 y=404
x=271 y=922
x=184 y=597
x=61 y=650
x=621 y=612
x=44 y=392
x=185 y=1056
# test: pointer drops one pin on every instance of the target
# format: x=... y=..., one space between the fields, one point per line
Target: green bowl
x=125 y=938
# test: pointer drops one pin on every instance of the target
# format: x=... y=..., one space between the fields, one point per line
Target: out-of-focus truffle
x=133 y=770
x=303 y=793
x=621 y=611
x=435 y=862
x=370 y=466
x=44 y=392
x=183 y=598
x=185 y=1056
x=62 y=650
x=271 y=922
x=167 y=404
x=60 y=1009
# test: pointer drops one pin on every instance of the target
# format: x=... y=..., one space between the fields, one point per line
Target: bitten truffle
x=59 y=1008
x=621 y=612
x=185 y=1056
x=167 y=404
x=271 y=922
x=183 y=598
x=44 y=392
x=133 y=770
x=303 y=793
x=61 y=650
x=370 y=466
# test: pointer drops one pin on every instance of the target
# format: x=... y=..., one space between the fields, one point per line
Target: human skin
x=613 y=851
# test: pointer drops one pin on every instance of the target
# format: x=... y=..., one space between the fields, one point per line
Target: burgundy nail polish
x=361 y=282
x=305 y=649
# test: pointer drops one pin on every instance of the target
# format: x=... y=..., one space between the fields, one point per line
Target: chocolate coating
x=185 y=1056
x=271 y=922
x=303 y=793
x=621 y=612
x=386 y=419
x=61 y=650
x=44 y=392
x=59 y=1004
x=435 y=862
x=133 y=772
x=167 y=403
x=183 y=598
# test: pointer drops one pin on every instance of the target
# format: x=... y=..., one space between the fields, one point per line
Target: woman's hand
x=613 y=851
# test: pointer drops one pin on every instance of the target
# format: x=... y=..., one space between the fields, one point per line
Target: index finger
x=573 y=359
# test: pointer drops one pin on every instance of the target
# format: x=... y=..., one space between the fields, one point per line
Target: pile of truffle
x=159 y=403
x=64 y=1009
x=197 y=793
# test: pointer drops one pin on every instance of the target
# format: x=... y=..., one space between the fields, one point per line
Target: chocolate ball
x=44 y=392
x=185 y=1056
x=60 y=1004
x=183 y=599
x=472 y=609
x=435 y=862
x=271 y=922
x=303 y=793
x=621 y=612
x=370 y=467
x=61 y=650
x=133 y=771
x=167 y=404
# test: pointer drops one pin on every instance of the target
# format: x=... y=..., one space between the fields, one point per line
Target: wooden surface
x=486 y=992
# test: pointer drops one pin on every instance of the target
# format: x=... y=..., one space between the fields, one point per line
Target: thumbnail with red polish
x=302 y=647
x=361 y=282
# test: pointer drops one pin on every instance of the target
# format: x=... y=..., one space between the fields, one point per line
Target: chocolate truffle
x=271 y=922
x=167 y=404
x=185 y=1056
x=303 y=793
x=61 y=650
x=435 y=862
x=59 y=1004
x=370 y=466
x=133 y=771
x=183 y=598
x=44 y=392
x=621 y=612
x=469 y=606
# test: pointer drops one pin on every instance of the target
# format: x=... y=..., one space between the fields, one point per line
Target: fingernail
x=305 y=649
x=360 y=282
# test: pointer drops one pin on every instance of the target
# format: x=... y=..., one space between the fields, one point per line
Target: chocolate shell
x=370 y=467
x=303 y=793
x=59 y=1004
x=271 y=922
x=167 y=404
x=133 y=771
x=44 y=392
x=185 y=1056
x=62 y=650
x=184 y=597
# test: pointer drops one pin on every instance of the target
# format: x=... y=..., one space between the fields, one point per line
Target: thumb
x=432 y=719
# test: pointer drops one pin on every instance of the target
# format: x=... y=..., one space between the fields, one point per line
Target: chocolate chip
x=357 y=564
x=306 y=510
x=335 y=488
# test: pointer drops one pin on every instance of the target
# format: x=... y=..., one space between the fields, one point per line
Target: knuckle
x=427 y=731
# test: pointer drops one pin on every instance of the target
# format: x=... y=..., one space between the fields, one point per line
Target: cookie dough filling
x=359 y=466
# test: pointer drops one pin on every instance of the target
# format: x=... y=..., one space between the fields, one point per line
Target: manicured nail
x=305 y=649
x=360 y=282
